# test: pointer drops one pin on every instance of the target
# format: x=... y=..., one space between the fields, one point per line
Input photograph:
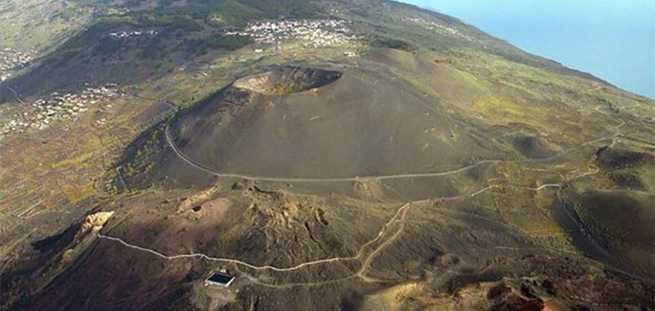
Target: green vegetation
x=38 y=24
x=420 y=156
x=217 y=12
x=240 y=12
x=392 y=44
x=200 y=46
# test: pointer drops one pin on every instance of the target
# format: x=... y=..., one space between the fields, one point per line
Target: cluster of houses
x=131 y=34
x=60 y=107
x=11 y=59
x=316 y=33
x=442 y=29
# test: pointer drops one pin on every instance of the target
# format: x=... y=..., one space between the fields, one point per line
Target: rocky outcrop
x=370 y=189
x=93 y=223
x=90 y=226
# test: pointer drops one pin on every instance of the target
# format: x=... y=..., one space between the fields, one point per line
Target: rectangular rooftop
x=219 y=278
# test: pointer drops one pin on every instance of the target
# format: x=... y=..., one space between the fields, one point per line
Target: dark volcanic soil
x=532 y=147
x=611 y=158
x=352 y=124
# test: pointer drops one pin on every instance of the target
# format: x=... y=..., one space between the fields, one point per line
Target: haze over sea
x=613 y=40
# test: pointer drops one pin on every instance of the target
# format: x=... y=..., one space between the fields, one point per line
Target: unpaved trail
x=365 y=260
x=253 y=266
x=199 y=166
x=15 y=94
x=203 y=168
x=361 y=256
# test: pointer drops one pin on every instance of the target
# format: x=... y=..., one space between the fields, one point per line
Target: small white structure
x=221 y=279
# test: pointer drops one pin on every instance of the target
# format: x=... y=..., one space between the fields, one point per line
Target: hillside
x=327 y=155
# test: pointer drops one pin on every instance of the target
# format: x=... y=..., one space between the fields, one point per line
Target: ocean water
x=611 y=39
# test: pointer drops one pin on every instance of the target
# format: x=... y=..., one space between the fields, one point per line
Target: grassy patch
x=390 y=43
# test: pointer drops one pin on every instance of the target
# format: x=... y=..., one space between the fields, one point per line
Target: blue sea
x=613 y=40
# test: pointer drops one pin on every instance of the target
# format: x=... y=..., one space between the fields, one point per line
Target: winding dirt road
x=400 y=211
x=15 y=93
x=364 y=256
x=199 y=166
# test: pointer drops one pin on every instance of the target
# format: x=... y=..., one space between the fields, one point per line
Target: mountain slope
x=333 y=154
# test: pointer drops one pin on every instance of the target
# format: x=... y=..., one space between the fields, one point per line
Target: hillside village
x=439 y=28
x=11 y=59
x=312 y=33
x=132 y=34
x=43 y=112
